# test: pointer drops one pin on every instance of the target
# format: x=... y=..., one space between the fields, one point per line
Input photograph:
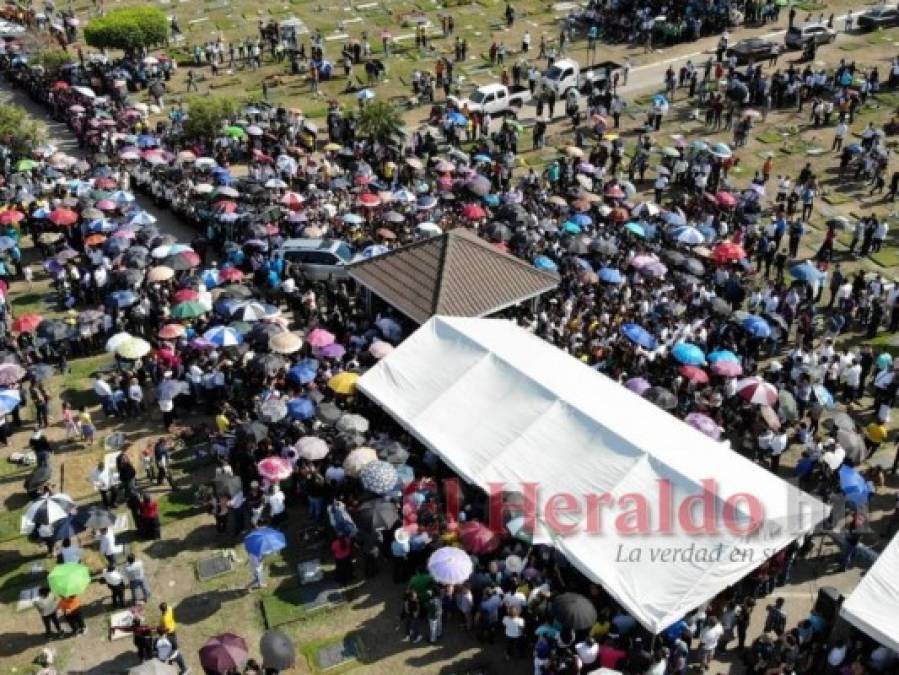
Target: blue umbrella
x=264 y=540
x=10 y=399
x=571 y=227
x=69 y=527
x=122 y=299
x=304 y=372
x=147 y=141
x=636 y=228
x=684 y=234
x=583 y=264
x=581 y=219
x=210 y=278
x=884 y=361
x=541 y=262
x=100 y=225
x=854 y=486
x=688 y=354
x=300 y=409
x=674 y=218
x=116 y=245
x=482 y=158
x=375 y=250
x=708 y=232
x=457 y=118
x=122 y=197
x=757 y=326
x=638 y=335
x=824 y=397
x=426 y=202
x=223 y=336
x=806 y=271
x=658 y=99
x=491 y=200
x=610 y=275
x=141 y=218
x=352 y=218
x=723 y=355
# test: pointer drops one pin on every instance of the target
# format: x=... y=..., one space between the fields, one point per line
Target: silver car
x=319 y=259
x=798 y=36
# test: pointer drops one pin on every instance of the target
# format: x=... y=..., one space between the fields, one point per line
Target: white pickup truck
x=494 y=99
x=567 y=74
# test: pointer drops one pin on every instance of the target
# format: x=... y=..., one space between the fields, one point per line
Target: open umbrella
x=477 y=538
x=377 y=514
x=303 y=372
x=705 y=424
x=450 y=565
x=638 y=335
x=358 y=459
x=756 y=390
x=352 y=424
x=253 y=431
x=688 y=354
x=662 y=397
x=311 y=448
x=378 y=477
x=694 y=374
x=343 y=383
x=99 y=519
x=277 y=650
x=272 y=411
x=727 y=368
x=133 y=348
x=227 y=486
x=574 y=611
x=264 y=540
x=224 y=653
x=10 y=373
x=69 y=579
x=854 y=486
x=274 y=469
x=319 y=337
x=26 y=323
x=47 y=510
x=638 y=385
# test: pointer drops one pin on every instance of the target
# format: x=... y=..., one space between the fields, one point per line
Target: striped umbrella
x=47 y=511
x=756 y=390
x=223 y=336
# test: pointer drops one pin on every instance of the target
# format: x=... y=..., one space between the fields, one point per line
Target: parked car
x=567 y=74
x=494 y=99
x=754 y=49
x=799 y=36
x=319 y=259
x=878 y=17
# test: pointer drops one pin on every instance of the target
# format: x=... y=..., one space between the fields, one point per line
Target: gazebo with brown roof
x=454 y=274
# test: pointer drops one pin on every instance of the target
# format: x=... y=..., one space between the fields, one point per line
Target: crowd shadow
x=196 y=608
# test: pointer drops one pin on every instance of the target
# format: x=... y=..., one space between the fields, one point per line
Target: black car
x=753 y=49
x=878 y=17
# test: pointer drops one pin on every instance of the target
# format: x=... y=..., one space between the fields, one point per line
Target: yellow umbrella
x=133 y=348
x=343 y=383
x=160 y=273
x=285 y=343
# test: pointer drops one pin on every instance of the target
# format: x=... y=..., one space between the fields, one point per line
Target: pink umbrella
x=369 y=199
x=292 y=200
x=274 y=469
x=725 y=199
x=379 y=349
x=727 y=368
x=185 y=295
x=124 y=233
x=320 y=338
x=106 y=205
x=639 y=261
x=705 y=424
x=638 y=385
x=654 y=269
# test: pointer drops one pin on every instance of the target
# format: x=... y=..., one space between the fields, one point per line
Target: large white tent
x=500 y=405
x=873 y=607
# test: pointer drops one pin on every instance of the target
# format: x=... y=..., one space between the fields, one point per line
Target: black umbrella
x=53 y=330
x=574 y=611
x=676 y=258
x=579 y=246
x=377 y=514
x=68 y=527
x=253 y=431
x=261 y=333
x=661 y=397
x=99 y=519
x=328 y=413
x=37 y=478
x=694 y=266
x=236 y=292
x=479 y=186
x=267 y=364
x=277 y=650
x=604 y=246
x=227 y=486
x=498 y=232
x=721 y=306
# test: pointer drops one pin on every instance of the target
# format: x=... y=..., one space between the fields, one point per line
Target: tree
x=379 y=120
x=52 y=60
x=130 y=29
x=205 y=115
x=18 y=131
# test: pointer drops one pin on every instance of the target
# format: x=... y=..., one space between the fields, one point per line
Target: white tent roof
x=873 y=607
x=501 y=405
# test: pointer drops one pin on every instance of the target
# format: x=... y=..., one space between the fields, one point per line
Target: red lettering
x=636 y=520
x=666 y=507
x=708 y=498
x=562 y=504
x=756 y=514
x=594 y=506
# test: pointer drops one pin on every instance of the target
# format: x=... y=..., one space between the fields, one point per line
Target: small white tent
x=873 y=607
x=501 y=406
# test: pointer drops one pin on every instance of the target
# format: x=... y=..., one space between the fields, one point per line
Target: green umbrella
x=236 y=132
x=188 y=310
x=241 y=327
x=69 y=579
x=25 y=165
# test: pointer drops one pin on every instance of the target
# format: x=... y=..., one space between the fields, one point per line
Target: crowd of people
x=697 y=300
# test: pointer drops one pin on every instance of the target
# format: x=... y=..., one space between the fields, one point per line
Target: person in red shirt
x=610 y=656
x=342 y=548
x=149 y=517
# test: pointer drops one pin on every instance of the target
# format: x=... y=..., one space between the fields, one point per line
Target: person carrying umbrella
x=47 y=606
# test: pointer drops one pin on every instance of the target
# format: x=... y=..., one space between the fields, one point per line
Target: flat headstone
x=337 y=36
x=209 y=568
x=337 y=654
x=310 y=571
x=320 y=595
x=122 y=523
x=26 y=596
x=367 y=5
x=355 y=19
x=117 y=620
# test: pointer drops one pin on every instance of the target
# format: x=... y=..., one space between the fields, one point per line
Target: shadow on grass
x=197 y=608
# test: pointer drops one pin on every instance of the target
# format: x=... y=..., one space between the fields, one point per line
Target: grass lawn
x=10 y=522
x=177 y=505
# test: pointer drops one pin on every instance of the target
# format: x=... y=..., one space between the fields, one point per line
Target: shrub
x=129 y=29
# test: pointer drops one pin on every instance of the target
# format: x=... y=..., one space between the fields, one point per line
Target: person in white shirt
x=69 y=553
x=168 y=653
x=46 y=605
x=514 y=629
x=852 y=377
x=708 y=641
x=776 y=447
x=104 y=483
x=116 y=583
x=134 y=574
x=135 y=397
x=108 y=546
x=275 y=502
x=587 y=651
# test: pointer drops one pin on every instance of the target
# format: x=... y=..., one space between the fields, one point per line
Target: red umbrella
x=477 y=538
x=756 y=390
x=185 y=295
x=224 y=653
x=694 y=374
x=225 y=206
x=10 y=217
x=614 y=192
x=727 y=368
x=369 y=199
x=725 y=199
x=275 y=468
x=230 y=274
x=473 y=212
x=292 y=200
x=171 y=331
x=60 y=85
x=63 y=216
x=619 y=215
x=104 y=183
x=728 y=252
x=26 y=323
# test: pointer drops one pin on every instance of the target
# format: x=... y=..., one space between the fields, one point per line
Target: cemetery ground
x=369 y=611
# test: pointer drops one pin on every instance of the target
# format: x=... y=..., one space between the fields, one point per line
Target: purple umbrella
x=638 y=385
x=52 y=266
x=332 y=351
x=450 y=565
x=654 y=269
x=705 y=424
x=202 y=343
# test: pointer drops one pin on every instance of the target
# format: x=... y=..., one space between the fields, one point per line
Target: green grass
x=887 y=257
x=10 y=522
x=836 y=198
x=769 y=137
x=76 y=386
x=8 y=468
x=310 y=649
x=283 y=605
x=176 y=505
